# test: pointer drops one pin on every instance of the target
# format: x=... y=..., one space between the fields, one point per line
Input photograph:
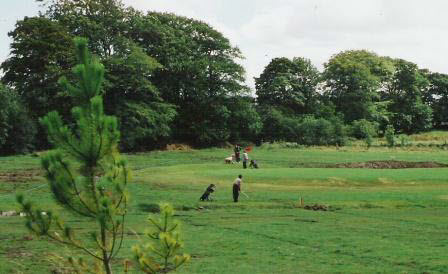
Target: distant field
x=380 y=220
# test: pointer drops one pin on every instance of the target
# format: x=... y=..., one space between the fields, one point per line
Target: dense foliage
x=16 y=129
x=176 y=79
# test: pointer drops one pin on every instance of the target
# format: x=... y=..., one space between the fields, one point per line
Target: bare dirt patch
x=316 y=207
x=375 y=165
x=20 y=176
x=181 y=147
x=390 y=165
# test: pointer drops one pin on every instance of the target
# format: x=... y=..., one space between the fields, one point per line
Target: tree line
x=175 y=79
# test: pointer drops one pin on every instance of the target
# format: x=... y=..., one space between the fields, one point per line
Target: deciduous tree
x=41 y=52
x=289 y=84
x=353 y=81
x=410 y=113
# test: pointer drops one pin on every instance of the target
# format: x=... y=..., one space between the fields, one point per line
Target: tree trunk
x=106 y=258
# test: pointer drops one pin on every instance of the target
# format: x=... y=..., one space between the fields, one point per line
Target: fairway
x=378 y=220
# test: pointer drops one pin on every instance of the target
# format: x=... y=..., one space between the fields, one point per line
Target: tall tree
x=289 y=84
x=104 y=22
x=199 y=72
x=41 y=52
x=16 y=128
x=144 y=117
x=353 y=81
x=244 y=122
x=410 y=113
x=85 y=172
x=436 y=95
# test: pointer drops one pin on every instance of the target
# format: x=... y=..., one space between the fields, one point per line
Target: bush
x=404 y=140
x=389 y=134
x=320 y=131
x=162 y=252
x=363 y=129
x=277 y=126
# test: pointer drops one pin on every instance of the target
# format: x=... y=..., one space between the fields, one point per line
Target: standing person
x=245 y=159
x=237 y=150
x=237 y=188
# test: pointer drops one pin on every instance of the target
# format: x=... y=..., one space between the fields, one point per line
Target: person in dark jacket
x=237 y=150
x=253 y=164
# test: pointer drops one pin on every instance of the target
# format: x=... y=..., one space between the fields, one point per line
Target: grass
x=380 y=220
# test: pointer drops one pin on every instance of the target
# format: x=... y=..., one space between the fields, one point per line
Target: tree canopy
x=170 y=78
x=289 y=84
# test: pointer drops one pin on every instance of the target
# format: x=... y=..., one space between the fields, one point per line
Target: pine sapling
x=86 y=175
x=162 y=252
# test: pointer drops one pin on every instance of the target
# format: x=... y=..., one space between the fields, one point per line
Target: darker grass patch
x=146 y=207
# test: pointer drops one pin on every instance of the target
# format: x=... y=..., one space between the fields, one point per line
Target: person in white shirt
x=245 y=159
x=237 y=188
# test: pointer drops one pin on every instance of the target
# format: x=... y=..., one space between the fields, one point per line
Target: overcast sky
x=414 y=30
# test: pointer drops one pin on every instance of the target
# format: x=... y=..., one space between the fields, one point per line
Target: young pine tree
x=85 y=172
x=162 y=251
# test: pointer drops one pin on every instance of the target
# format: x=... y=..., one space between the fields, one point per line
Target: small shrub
x=369 y=141
x=362 y=129
x=389 y=134
x=404 y=140
x=161 y=253
x=320 y=131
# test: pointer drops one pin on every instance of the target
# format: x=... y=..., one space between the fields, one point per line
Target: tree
x=184 y=97
x=244 y=122
x=410 y=114
x=353 y=81
x=145 y=118
x=40 y=54
x=162 y=253
x=130 y=95
x=16 y=128
x=86 y=174
x=437 y=97
x=320 y=131
x=104 y=22
x=289 y=84
x=277 y=126
x=199 y=73
x=363 y=129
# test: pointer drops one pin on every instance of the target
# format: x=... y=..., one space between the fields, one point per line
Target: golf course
x=307 y=210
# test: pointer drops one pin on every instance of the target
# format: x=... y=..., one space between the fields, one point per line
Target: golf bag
x=206 y=196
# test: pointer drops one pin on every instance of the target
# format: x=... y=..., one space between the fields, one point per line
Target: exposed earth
x=376 y=165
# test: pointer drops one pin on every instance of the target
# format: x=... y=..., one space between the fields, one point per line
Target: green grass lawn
x=381 y=220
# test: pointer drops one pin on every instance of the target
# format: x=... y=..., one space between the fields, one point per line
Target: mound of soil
x=372 y=164
x=182 y=147
x=316 y=207
x=389 y=165
x=20 y=176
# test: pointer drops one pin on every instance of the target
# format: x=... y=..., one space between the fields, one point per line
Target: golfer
x=237 y=188
x=245 y=159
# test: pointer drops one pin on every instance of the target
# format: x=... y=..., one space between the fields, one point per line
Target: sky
x=414 y=30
